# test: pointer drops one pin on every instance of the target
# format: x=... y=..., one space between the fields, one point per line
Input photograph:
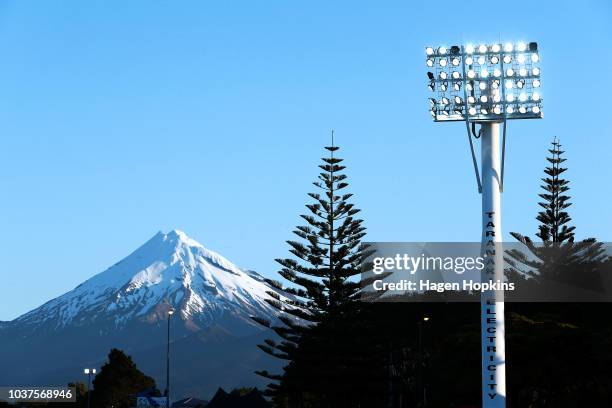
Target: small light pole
x=89 y=372
x=170 y=313
x=420 y=324
x=487 y=85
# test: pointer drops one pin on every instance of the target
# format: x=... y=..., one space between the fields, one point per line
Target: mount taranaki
x=213 y=340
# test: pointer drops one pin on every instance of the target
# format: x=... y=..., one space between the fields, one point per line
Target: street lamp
x=420 y=323
x=491 y=83
x=89 y=372
x=170 y=313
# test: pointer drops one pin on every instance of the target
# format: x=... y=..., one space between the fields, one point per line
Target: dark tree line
x=342 y=352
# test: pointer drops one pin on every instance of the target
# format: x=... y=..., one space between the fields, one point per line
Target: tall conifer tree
x=323 y=291
x=557 y=257
x=553 y=218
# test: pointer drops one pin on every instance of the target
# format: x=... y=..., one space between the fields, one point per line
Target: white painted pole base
x=493 y=341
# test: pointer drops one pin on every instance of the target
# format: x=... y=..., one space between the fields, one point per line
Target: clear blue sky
x=119 y=119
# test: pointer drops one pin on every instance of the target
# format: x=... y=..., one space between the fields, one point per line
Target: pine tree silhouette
x=554 y=219
x=322 y=295
x=558 y=257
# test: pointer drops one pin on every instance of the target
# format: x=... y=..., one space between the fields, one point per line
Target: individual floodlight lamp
x=496 y=83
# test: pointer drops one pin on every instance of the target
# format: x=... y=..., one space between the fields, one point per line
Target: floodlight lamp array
x=484 y=83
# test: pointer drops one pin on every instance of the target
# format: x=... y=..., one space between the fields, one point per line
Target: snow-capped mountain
x=126 y=307
x=169 y=270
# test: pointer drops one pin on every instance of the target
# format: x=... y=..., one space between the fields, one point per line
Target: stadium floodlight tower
x=486 y=85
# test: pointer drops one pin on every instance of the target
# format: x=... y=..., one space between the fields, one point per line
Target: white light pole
x=492 y=303
x=487 y=85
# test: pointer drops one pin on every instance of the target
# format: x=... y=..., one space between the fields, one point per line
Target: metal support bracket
x=467 y=126
x=503 y=158
x=476 y=171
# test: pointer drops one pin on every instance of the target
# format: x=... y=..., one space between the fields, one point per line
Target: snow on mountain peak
x=178 y=235
x=169 y=269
